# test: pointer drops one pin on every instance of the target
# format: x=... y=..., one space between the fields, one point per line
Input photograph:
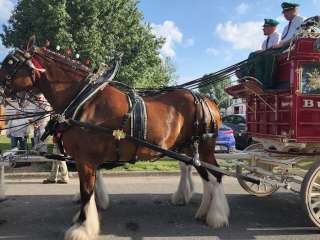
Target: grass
x=4 y=143
x=161 y=165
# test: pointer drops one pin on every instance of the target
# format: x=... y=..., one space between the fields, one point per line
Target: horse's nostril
x=8 y=77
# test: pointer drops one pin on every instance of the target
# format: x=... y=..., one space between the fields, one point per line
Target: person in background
x=57 y=166
x=40 y=106
x=270 y=30
x=18 y=131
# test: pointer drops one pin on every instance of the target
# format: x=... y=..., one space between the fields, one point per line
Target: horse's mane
x=65 y=60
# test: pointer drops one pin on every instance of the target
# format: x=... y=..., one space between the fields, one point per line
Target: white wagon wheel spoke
x=315 y=194
x=316 y=185
x=315 y=204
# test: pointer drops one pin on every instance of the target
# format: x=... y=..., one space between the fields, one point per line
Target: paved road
x=140 y=210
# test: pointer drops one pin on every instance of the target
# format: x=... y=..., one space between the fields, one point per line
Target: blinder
x=14 y=62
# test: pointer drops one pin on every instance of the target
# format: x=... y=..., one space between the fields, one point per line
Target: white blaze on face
x=307 y=103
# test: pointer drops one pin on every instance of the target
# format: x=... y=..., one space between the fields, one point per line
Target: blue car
x=225 y=141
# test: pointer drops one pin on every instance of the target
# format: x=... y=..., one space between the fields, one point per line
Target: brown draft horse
x=170 y=123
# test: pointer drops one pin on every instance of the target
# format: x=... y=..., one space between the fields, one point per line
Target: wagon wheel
x=259 y=190
x=310 y=193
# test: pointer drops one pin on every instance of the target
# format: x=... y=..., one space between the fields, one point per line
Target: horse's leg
x=214 y=207
x=185 y=188
x=86 y=222
x=102 y=197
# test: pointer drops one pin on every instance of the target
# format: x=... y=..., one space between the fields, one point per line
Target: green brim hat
x=288 y=6
x=270 y=22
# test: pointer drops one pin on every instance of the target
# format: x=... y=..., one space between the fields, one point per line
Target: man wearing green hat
x=290 y=12
x=270 y=30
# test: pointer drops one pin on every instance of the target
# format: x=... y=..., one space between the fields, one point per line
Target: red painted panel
x=293 y=111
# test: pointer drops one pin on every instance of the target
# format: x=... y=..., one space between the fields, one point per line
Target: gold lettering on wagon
x=308 y=103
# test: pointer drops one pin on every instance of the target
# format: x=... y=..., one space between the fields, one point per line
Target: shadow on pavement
x=139 y=216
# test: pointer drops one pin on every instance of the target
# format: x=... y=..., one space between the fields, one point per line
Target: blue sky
x=215 y=33
x=206 y=35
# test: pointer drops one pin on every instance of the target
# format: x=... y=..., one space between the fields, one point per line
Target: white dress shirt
x=271 y=40
x=291 y=29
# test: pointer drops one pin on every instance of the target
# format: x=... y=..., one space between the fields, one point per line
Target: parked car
x=238 y=124
x=225 y=141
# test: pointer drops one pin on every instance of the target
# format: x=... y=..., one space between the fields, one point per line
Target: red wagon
x=285 y=121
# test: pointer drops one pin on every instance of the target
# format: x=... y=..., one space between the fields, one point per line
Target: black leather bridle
x=13 y=62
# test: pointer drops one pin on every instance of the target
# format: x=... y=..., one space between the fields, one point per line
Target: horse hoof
x=78 y=232
x=217 y=220
x=178 y=200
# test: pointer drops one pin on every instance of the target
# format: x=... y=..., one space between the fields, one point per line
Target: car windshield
x=234 y=119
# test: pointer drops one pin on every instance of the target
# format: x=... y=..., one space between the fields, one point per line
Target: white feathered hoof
x=218 y=214
x=78 y=232
x=205 y=202
x=217 y=220
x=89 y=229
x=184 y=192
x=180 y=198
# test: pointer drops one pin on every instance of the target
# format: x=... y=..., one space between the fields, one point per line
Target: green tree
x=84 y=19
x=47 y=19
x=217 y=92
x=97 y=29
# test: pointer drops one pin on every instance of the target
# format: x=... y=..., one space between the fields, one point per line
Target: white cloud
x=245 y=35
x=242 y=8
x=172 y=35
x=6 y=7
x=212 y=51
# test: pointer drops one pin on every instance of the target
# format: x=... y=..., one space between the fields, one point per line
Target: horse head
x=20 y=71
x=39 y=69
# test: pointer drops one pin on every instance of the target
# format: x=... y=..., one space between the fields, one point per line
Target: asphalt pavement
x=140 y=209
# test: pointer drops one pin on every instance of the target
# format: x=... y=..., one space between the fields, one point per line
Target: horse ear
x=30 y=43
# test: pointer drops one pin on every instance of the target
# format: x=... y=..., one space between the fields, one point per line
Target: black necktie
x=267 y=42
x=287 y=31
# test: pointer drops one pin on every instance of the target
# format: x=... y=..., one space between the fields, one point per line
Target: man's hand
x=279 y=45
